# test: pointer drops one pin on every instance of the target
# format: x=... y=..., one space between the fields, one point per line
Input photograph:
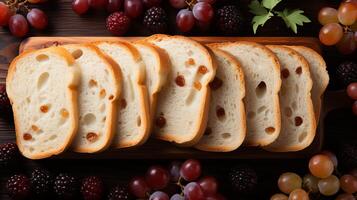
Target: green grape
x=279 y=196
x=309 y=183
x=347 y=13
x=288 y=182
x=329 y=186
x=321 y=166
x=347 y=44
x=331 y=34
x=327 y=15
x=298 y=194
x=348 y=183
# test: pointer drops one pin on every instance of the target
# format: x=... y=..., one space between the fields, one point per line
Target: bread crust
x=115 y=72
x=309 y=106
x=198 y=131
x=276 y=89
x=71 y=91
x=237 y=143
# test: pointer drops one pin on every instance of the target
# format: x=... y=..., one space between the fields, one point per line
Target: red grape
x=37 y=18
x=331 y=34
x=185 y=20
x=175 y=171
x=203 y=11
x=327 y=15
x=348 y=183
x=138 y=187
x=178 y=3
x=5 y=14
x=80 y=6
x=354 y=108
x=177 y=197
x=347 y=44
x=352 y=91
x=207 y=1
x=98 y=4
x=152 y=3
x=114 y=5
x=133 y=8
x=18 y=25
x=208 y=185
x=159 y=196
x=347 y=13
x=193 y=191
x=190 y=170
x=157 y=177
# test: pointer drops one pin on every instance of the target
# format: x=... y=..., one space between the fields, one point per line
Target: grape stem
x=191 y=3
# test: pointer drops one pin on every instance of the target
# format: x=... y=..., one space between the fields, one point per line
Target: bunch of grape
x=352 y=93
x=199 y=12
x=158 y=181
x=320 y=180
x=11 y=15
x=340 y=26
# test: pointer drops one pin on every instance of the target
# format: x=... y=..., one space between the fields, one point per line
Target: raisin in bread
x=98 y=94
x=319 y=75
x=262 y=77
x=226 y=126
x=298 y=119
x=133 y=125
x=42 y=86
x=156 y=69
x=181 y=116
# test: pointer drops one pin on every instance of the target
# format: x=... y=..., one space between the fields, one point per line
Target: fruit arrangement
x=18 y=17
x=324 y=179
x=339 y=26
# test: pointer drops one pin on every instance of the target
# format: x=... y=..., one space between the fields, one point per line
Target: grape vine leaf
x=256 y=8
x=293 y=18
x=260 y=20
x=270 y=4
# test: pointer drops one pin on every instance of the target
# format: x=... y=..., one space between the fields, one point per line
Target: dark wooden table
x=341 y=126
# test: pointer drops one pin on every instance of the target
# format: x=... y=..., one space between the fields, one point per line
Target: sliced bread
x=156 y=69
x=319 y=75
x=99 y=92
x=133 y=125
x=42 y=86
x=262 y=77
x=226 y=126
x=184 y=101
x=298 y=119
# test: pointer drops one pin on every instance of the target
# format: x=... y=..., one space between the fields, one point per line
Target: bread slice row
x=214 y=98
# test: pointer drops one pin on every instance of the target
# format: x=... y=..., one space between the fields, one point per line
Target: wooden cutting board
x=155 y=149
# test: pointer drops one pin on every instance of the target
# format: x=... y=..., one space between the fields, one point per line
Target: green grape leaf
x=256 y=8
x=260 y=20
x=293 y=18
x=270 y=4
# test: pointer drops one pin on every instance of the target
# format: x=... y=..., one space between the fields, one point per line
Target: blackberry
x=9 y=154
x=229 y=20
x=346 y=72
x=243 y=179
x=18 y=187
x=65 y=186
x=119 y=193
x=155 y=19
x=92 y=188
x=41 y=181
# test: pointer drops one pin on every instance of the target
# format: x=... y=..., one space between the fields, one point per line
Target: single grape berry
x=18 y=187
x=5 y=14
x=346 y=72
x=65 y=186
x=9 y=154
x=114 y=5
x=157 y=177
x=174 y=169
x=191 y=170
x=118 y=23
x=288 y=182
x=119 y=193
x=243 y=179
x=80 y=6
x=92 y=188
x=41 y=181
x=155 y=19
x=158 y=195
x=138 y=187
x=352 y=91
x=185 y=20
x=133 y=8
x=229 y=20
x=18 y=25
x=37 y=19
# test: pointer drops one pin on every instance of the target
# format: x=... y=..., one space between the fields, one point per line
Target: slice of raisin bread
x=42 y=86
x=298 y=119
x=262 y=77
x=226 y=126
x=133 y=125
x=156 y=69
x=319 y=75
x=99 y=92
x=182 y=114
